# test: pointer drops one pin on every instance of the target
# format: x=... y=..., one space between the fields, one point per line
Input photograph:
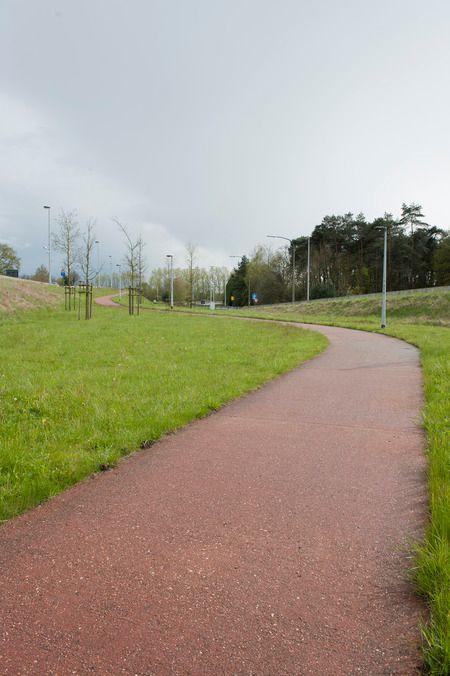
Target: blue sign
x=63 y=274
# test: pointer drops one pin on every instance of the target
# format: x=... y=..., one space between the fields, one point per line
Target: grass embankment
x=17 y=295
x=77 y=395
x=422 y=319
x=426 y=309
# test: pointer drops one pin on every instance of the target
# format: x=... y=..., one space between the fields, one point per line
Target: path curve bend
x=269 y=538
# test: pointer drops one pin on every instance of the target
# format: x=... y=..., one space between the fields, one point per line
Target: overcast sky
x=219 y=121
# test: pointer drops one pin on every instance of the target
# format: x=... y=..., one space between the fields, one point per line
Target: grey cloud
x=216 y=121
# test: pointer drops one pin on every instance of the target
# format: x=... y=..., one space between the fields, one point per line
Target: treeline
x=191 y=285
x=346 y=258
x=346 y=255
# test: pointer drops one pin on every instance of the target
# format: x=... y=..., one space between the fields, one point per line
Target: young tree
x=191 y=251
x=141 y=265
x=41 y=274
x=131 y=256
x=156 y=283
x=65 y=241
x=86 y=252
x=8 y=258
x=219 y=277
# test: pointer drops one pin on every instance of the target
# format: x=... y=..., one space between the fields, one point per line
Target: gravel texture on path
x=269 y=538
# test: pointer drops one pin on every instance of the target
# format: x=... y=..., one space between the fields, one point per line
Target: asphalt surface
x=269 y=538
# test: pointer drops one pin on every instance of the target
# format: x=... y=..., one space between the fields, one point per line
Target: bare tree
x=131 y=256
x=65 y=241
x=218 y=277
x=191 y=251
x=156 y=281
x=141 y=263
x=86 y=251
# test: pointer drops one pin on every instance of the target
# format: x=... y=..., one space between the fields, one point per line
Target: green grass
x=423 y=320
x=432 y=571
x=76 y=395
x=423 y=308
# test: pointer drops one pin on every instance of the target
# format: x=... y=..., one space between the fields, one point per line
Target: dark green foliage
x=347 y=251
x=441 y=262
x=238 y=284
x=411 y=215
x=8 y=258
x=322 y=291
x=347 y=254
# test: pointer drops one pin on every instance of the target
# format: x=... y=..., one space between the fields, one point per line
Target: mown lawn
x=75 y=396
x=423 y=320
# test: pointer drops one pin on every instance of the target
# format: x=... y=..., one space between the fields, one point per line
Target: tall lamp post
x=291 y=242
x=383 y=291
x=49 y=246
x=308 y=268
x=118 y=265
x=110 y=272
x=98 y=259
x=171 y=279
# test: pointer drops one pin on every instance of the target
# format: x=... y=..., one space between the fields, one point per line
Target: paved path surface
x=268 y=538
x=107 y=301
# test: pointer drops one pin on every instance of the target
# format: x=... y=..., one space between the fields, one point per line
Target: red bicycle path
x=269 y=538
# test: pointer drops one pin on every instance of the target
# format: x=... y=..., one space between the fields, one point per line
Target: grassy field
x=77 y=395
x=422 y=319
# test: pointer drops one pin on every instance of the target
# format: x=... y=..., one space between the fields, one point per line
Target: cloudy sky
x=218 y=121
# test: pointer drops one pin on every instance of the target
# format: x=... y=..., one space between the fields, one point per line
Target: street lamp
x=49 y=246
x=118 y=265
x=383 y=291
x=98 y=259
x=110 y=272
x=291 y=242
x=171 y=279
x=308 y=268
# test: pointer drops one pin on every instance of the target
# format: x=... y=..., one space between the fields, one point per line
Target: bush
x=322 y=291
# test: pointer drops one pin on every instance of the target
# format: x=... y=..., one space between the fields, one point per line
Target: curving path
x=269 y=538
x=107 y=301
